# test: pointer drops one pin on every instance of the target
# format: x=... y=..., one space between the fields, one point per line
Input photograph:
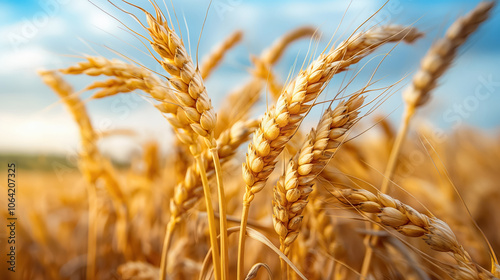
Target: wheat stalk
x=271 y=55
x=93 y=166
x=127 y=78
x=407 y=221
x=281 y=121
x=138 y=78
x=193 y=98
x=237 y=105
x=434 y=64
x=215 y=57
x=291 y=193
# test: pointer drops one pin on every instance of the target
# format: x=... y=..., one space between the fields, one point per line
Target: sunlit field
x=235 y=140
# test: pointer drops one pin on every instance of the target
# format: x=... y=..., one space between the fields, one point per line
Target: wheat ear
x=128 y=77
x=434 y=64
x=407 y=221
x=210 y=62
x=74 y=104
x=281 y=121
x=237 y=105
x=291 y=193
x=134 y=77
x=437 y=60
x=193 y=98
x=271 y=55
x=93 y=166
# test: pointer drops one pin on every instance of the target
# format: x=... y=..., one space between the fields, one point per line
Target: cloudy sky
x=53 y=34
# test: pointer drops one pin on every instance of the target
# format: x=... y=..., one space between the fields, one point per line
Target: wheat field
x=316 y=184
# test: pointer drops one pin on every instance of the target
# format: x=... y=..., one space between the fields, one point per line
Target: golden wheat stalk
x=291 y=193
x=128 y=77
x=93 y=166
x=133 y=78
x=193 y=98
x=237 y=105
x=189 y=191
x=434 y=64
x=281 y=121
x=407 y=221
x=271 y=55
x=210 y=62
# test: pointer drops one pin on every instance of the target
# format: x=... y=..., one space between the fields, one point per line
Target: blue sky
x=51 y=33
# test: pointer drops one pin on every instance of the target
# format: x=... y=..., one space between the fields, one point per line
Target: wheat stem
x=210 y=216
x=435 y=63
x=166 y=245
x=367 y=259
x=92 y=232
x=241 y=240
x=93 y=166
x=400 y=138
x=222 y=213
x=192 y=95
x=284 y=267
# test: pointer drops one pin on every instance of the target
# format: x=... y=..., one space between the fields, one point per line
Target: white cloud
x=56 y=26
x=27 y=30
x=29 y=58
x=32 y=134
x=93 y=18
x=101 y=21
x=58 y=133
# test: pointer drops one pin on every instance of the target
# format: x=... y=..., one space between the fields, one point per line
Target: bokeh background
x=53 y=34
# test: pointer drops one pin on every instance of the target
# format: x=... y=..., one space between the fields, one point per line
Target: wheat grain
x=281 y=121
x=437 y=60
x=292 y=191
x=440 y=56
x=407 y=221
